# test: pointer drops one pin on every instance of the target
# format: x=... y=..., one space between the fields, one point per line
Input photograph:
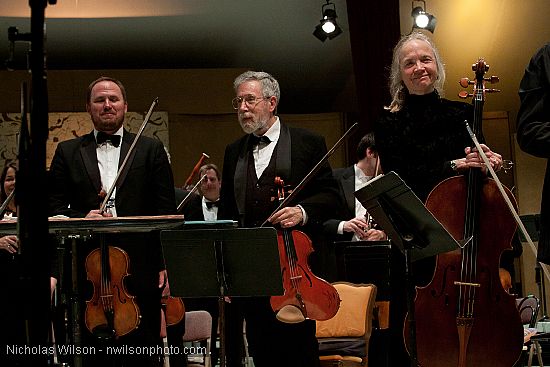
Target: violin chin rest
x=103 y=332
x=290 y=314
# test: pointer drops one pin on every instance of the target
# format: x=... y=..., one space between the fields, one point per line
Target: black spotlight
x=421 y=18
x=327 y=27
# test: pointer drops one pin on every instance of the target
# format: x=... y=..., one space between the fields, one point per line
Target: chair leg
x=207 y=358
x=531 y=351
x=539 y=353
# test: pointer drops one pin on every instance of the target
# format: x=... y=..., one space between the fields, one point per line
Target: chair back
x=528 y=308
x=351 y=324
x=198 y=326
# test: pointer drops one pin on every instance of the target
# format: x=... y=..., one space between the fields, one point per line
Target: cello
x=464 y=317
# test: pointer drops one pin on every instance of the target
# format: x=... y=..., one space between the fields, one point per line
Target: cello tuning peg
x=492 y=90
x=493 y=79
x=464 y=94
x=464 y=82
x=477 y=64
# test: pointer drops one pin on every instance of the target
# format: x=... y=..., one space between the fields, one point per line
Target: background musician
x=352 y=225
x=210 y=191
x=421 y=136
x=12 y=331
x=81 y=168
x=350 y=222
x=198 y=210
x=248 y=191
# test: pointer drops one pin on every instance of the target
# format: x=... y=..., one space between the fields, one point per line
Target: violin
x=305 y=295
x=174 y=309
x=112 y=311
x=465 y=308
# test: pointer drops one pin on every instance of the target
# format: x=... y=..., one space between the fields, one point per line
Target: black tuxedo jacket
x=192 y=210
x=146 y=187
x=298 y=151
x=346 y=188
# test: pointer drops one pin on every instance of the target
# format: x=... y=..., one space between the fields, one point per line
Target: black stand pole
x=411 y=291
x=220 y=274
x=539 y=279
x=216 y=263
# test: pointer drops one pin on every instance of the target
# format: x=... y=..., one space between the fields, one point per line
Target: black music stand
x=217 y=263
x=365 y=262
x=411 y=226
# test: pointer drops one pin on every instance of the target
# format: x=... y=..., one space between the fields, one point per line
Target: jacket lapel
x=348 y=183
x=89 y=157
x=126 y=142
x=239 y=180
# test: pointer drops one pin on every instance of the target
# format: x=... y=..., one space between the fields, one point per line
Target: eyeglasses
x=250 y=100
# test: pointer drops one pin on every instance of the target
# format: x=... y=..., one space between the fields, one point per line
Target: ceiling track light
x=421 y=18
x=327 y=27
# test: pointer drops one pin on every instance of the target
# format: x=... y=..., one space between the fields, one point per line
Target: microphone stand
x=32 y=212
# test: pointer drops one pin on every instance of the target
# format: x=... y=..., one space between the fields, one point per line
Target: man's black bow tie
x=255 y=140
x=103 y=137
x=210 y=204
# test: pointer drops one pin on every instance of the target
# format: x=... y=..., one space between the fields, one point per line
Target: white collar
x=274 y=131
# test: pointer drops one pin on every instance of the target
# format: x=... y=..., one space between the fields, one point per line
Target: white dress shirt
x=107 y=160
x=360 y=181
x=210 y=214
x=262 y=153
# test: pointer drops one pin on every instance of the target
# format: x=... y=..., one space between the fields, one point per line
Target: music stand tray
x=244 y=261
x=404 y=217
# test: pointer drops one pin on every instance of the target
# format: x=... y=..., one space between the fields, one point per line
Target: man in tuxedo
x=204 y=206
x=248 y=195
x=86 y=166
x=210 y=190
x=352 y=224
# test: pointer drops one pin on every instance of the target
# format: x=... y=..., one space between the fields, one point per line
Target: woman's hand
x=9 y=243
x=474 y=160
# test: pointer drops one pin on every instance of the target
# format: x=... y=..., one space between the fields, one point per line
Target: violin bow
x=506 y=198
x=186 y=198
x=311 y=173
x=7 y=201
x=121 y=168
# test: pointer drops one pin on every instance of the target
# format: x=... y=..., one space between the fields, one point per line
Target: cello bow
x=520 y=224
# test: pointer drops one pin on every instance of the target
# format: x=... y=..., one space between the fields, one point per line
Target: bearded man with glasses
x=270 y=149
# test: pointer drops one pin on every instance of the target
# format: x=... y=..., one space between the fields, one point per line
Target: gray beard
x=250 y=128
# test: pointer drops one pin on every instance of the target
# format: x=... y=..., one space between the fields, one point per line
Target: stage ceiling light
x=327 y=27
x=421 y=18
